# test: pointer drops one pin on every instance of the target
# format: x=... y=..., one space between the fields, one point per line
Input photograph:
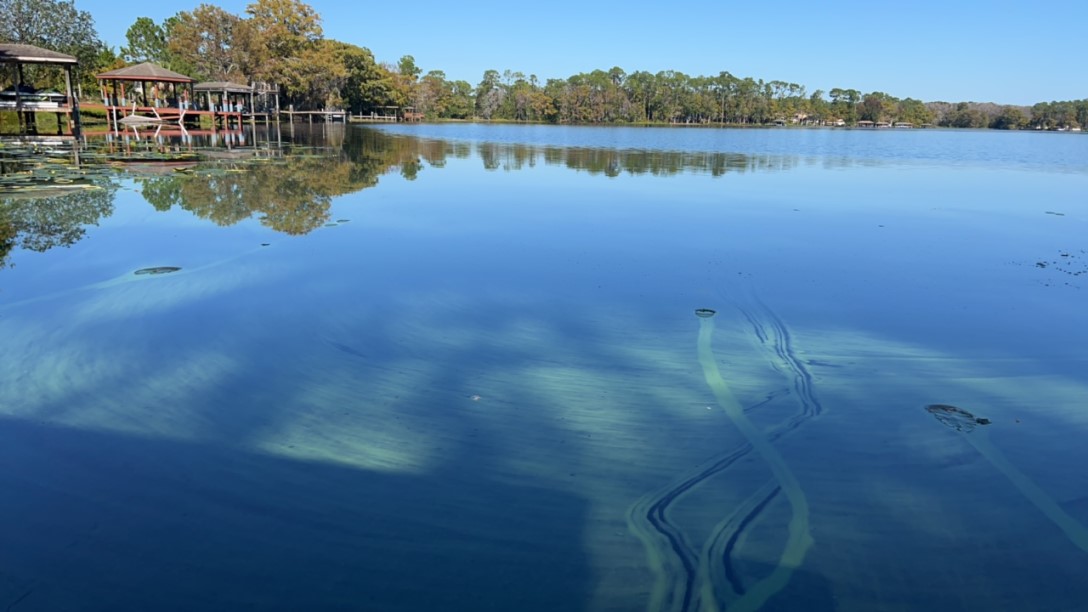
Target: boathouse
x=24 y=99
x=148 y=92
x=145 y=89
x=224 y=96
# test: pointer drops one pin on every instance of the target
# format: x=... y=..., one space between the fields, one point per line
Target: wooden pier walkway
x=168 y=115
x=372 y=118
x=328 y=115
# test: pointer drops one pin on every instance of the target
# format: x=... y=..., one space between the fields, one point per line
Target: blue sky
x=1003 y=52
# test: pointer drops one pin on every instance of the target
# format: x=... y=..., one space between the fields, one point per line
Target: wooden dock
x=168 y=115
x=327 y=115
x=372 y=118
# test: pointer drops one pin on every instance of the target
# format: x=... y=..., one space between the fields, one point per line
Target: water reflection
x=286 y=177
x=292 y=196
x=43 y=222
x=495 y=381
x=612 y=162
x=604 y=161
x=49 y=197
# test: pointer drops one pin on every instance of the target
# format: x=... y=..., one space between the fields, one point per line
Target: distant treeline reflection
x=612 y=162
x=294 y=194
x=292 y=191
x=609 y=162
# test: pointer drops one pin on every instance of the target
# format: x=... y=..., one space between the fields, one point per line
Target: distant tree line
x=1042 y=116
x=282 y=42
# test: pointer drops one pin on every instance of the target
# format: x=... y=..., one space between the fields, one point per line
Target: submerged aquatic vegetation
x=157 y=270
x=688 y=579
x=799 y=539
x=956 y=418
x=964 y=422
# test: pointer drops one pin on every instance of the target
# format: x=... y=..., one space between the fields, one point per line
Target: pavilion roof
x=146 y=71
x=29 y=54
x=226 y=86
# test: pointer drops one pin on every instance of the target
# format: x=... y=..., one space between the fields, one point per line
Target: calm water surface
x=458 y=367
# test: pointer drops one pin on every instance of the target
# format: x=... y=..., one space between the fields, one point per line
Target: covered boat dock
x=230 y=100
x=148 y=93
x=25 y=100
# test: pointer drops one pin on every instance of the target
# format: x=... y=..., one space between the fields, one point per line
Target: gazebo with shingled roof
x=149 y=85
x=24 y=99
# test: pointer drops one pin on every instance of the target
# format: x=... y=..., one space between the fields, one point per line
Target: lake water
x=459 y=367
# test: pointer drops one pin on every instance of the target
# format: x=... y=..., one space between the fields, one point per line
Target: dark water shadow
x=806 y=590
x=102 y=521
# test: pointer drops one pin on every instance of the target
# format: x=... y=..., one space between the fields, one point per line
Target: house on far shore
x=26 y=99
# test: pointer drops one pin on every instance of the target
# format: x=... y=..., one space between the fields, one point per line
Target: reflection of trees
x=613 y=162
x=292 y=194
x=399 y=150
x=292 y=197
x=376 y=153
x=405 y=152
x=41 y=223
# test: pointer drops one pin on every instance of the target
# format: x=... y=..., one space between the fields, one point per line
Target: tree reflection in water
x=292 y=194
x=290 y=187
x=45 y=221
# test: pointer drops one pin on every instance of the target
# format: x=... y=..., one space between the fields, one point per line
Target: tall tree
x=365 y=85
x=1011 y=118
x=146 y=42
x=406 y=66
x=53 y=24
x=404 y=76
x=914 y=112
x=817 y=106
x=876 y=106
x=461 y=104
x=639 y=88
x=281 y=31
x=205 y=40
x=844 y=104
x=965 y=116
x=489 y=94
x=316 y=77
x=433 y=94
